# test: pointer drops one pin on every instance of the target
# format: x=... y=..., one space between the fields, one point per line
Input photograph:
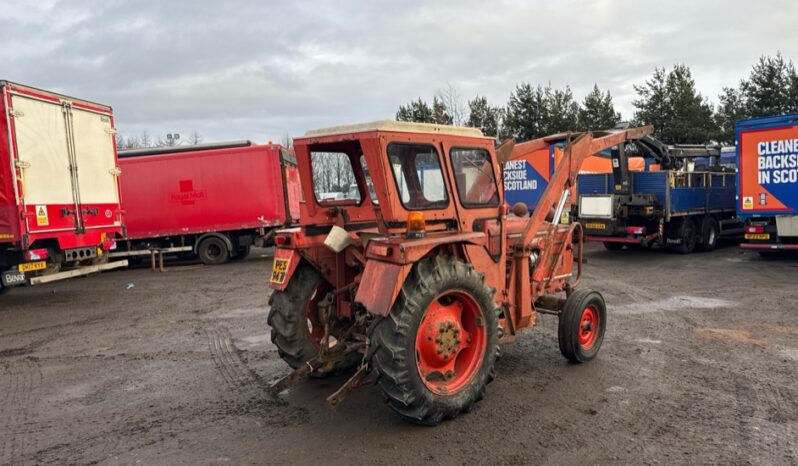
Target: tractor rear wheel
x=294 y=318
x=436 y=351
x=582 y=324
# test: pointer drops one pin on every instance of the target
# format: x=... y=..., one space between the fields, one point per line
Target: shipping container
x=59 y=193
x=767 y=200
x=213 y=201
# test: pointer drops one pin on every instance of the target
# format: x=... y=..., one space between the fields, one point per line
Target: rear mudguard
x=283 y=267
x=380 y=285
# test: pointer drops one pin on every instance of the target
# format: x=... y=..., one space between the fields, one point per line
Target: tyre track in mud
x=20 y=384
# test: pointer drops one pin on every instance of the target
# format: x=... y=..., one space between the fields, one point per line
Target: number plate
x=595 y=226
x=31 y=266
x=757 y=236
x=12 y=277
x=279 y=269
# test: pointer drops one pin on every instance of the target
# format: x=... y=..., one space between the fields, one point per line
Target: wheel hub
x=450 y=342
x=588 y=327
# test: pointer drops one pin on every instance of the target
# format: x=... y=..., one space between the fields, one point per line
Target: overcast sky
x=259 y=70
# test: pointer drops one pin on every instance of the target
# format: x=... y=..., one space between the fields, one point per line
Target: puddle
x=255 y=340
x=674 y=303
x=649 y=341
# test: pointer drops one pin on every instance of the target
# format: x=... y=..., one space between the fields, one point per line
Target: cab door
x=478 y=201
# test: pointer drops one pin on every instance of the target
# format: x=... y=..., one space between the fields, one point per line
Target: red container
x=237 y=189
x=58 y=181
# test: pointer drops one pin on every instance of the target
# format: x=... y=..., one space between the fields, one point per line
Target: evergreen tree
x=417 y=111
x=678 y=112
x=440 y=114
x=597 y=111
x=483 y=116
x=562 y=111
x=526 y=113
x=731 y=109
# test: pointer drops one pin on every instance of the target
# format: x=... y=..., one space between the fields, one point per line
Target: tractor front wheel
x=437 y=349
x=297 y=330
x=582 y=324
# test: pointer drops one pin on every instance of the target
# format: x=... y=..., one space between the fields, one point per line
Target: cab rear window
x=473 y=174
x=419 y=178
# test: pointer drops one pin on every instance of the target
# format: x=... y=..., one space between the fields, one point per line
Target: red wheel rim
x=315 y=327
x=588 y=327
x=451 y=342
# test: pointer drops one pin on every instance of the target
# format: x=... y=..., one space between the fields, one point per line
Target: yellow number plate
x=278 y=270
x=757 y=236
x=595 y=226
x=31 y=266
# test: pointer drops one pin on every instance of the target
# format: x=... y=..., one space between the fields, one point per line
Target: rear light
x=754 y=229
x=36 y=254
x=282 y=240
x=635 y=230
x=416 y=226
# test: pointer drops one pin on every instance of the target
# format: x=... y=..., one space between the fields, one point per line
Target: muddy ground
x=699 y=365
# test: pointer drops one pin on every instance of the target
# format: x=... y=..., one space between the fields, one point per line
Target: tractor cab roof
x=394 y=127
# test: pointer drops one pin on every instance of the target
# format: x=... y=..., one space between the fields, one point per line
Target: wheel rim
x=451 y=342
x=588 y=327
x=315 y=326
x=214 y=251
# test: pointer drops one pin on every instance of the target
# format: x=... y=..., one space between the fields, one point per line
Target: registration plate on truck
x=31 y=266
x=757 y=236
x=279 y=269
x=595 y=226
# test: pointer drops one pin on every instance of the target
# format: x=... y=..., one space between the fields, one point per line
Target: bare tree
x=287 y=141
x=453 y=101
x=194 y=138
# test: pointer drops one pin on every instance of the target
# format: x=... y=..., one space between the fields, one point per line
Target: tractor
x=416 y=271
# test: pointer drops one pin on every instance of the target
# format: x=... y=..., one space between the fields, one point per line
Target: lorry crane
x=421 y=273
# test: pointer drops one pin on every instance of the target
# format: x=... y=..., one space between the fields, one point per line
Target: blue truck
x=686 y=203
x=767 y=199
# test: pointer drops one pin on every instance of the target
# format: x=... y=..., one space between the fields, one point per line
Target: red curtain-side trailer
x=59 y=191
x=213 y=201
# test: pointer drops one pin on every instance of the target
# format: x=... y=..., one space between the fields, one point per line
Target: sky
x=261 y=70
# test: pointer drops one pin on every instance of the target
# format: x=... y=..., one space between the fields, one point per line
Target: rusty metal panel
x=380 y=286
x=283 y=267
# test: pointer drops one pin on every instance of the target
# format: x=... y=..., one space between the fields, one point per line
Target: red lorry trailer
x=59 y=192
x=213 y=201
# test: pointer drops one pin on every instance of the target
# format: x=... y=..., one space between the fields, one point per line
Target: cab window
x=333 y=178
x=419 y=179
x=473 y=174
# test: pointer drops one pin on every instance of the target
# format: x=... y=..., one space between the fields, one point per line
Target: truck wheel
x=688 y=236
x=213 y=251
x=436 y=351
x=294 y=319
x=709 y=234
x=582 y=324
x=613 y=246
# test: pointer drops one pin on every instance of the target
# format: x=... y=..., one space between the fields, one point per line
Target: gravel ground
x=698 y=366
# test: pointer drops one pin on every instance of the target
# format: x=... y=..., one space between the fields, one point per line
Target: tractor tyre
x=613 y=246
x=436 y=351
x=296 y=330
x=213 y=251
x=582 y=324
x=686 y=231
x=709 y=234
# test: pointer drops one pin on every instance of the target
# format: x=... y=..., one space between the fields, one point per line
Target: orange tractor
x=408 y=266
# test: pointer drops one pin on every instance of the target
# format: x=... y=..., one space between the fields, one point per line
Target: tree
x=453 y=102
x=597 y=111
x=526 y=113
x=732 y=108
x=440 y=113
x=670 y=102
x=483 y=116
x=417 y=111
x=194 y=138
x=562 y=111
